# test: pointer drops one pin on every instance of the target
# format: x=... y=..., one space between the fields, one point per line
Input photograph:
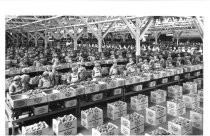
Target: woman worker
x=96 y=72
x=74 y=76
x=114 y=69
x=45 y=81
x=16 y=87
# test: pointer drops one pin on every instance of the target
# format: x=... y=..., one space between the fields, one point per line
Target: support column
x=138 y=47
x=99 y=45
x=45 y=40
x=75 y=43
x=36 y=40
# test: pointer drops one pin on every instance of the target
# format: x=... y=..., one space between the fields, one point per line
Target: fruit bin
x=190 y=87
x=158 y=131
x=180 y=126
x=191 y=100
x=132 y=124
x=52 y=95
x=17 y=101
x=91 y=117
x=64 y=123
x=116 y=109
x=105 y=129
x=40 y=128
x=196 y=116
x=156 y=115
x=38 y=99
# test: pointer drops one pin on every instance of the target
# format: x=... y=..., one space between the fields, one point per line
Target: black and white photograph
x=104 y=75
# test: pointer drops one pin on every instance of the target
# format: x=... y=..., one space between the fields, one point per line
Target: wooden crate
x=121 y=81
x=176 y=95
x=115 y=131
x=134 y=123
x=117 y=91
x=137 y=88
x=197 y=119
x=44 y=131
x=157 y=132
x=58 y=127
x=190 y=88
x=38 y=100
x=152 y=84
x=102 y=86
x=176 y=105
x=154 y=114
x=179 y=129
x=130 y=81
x=112 y=84
x=141 y=100
x=158 y=100
x=174 y=89
x=92 y=123
x=134 y=131
x=164 y=80
x=97 y=97
x=139 y=107
x=158 y=94
x=91 y=88
x=155 y=121
x=70 y=103
x=52 y=95
x=176 y=112
x=114 y=112
x=71 y=131
x=40 y=109
x=17 y=101
x=90 y=117
x=70 y=93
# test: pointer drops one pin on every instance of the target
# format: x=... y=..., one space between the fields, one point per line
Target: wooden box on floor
x=95 y=132
x=191 y=100
x=180 y=129
x=176 y=107
x=189 y=87
x=158 y=96
x=139 y=102
x=158 y=131
x=132 y=127
x=114 y=112
x=135 y=131
x=156 y=115
x=200 y=95
x=44 y=131
x=93 y=119
x=59 y=128
x=196 y=116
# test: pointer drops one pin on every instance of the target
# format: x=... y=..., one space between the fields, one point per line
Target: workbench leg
x=123 y=91
x=13 y=129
